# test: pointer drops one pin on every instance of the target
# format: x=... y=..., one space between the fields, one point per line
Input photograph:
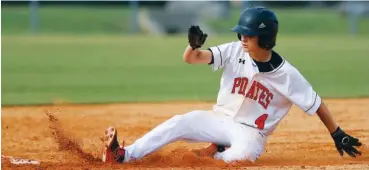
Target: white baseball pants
x=246 y=143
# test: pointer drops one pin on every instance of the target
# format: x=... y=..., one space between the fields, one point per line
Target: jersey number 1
x=260 y=121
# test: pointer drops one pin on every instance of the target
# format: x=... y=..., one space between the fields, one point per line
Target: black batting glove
x=196 y=38
x=345 y=142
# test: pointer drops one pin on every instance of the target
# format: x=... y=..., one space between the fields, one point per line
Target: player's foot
x=112 y=153
x=207 y=151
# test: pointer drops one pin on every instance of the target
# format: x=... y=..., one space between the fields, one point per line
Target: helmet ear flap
x=239 y=36
x=267 y=42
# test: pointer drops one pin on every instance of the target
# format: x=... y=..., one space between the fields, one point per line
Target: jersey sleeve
x=220 y=54
x=293 y=85
x=302 y=94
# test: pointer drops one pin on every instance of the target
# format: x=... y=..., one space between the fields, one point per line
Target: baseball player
x=257 y=89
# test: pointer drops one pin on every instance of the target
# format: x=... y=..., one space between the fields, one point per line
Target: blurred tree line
x=162 y=3
x=84 y=3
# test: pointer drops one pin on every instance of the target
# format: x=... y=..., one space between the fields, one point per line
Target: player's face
x=250 y=43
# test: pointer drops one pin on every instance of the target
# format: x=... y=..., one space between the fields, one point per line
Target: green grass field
x=100 y=69
x=117 y=20
x=305 y=21
x=70 y=19
x=84 y=55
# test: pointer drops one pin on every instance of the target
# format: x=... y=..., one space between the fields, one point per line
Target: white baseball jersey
x=252 y=93
x=255 y=97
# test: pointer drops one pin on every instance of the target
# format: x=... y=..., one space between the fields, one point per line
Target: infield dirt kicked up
x=64 y=136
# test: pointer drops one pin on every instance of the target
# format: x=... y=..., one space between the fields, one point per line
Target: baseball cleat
x=112 y=153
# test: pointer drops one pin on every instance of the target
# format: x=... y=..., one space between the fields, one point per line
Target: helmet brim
x=244 y=31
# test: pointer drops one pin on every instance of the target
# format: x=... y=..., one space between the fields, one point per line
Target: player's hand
x=345 y=142
x=196 y=38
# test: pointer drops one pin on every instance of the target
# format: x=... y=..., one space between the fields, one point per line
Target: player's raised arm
x=193 y=54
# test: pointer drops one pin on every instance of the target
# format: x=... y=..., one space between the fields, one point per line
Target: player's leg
x=248 y=146
x=200 y=126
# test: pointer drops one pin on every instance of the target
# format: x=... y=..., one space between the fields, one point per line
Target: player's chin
x=245 y=49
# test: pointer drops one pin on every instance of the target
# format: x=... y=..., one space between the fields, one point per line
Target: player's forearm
x=189 y=55
x=326 y=117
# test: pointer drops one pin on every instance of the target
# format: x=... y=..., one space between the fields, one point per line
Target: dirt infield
x=70 y=137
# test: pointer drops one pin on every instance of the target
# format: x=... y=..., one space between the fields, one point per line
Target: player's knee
x=176 y=119
x=237 y=154
x=194 y=115
x=183 y=120
x=187 y=120
x=187 y=123
x=250 y=156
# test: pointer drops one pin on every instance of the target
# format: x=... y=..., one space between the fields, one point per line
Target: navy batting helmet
x=261 y=22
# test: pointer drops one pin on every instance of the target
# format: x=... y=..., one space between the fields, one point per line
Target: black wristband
x=338 y=132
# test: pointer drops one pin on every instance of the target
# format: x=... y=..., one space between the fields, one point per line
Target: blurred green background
x=85 y=54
